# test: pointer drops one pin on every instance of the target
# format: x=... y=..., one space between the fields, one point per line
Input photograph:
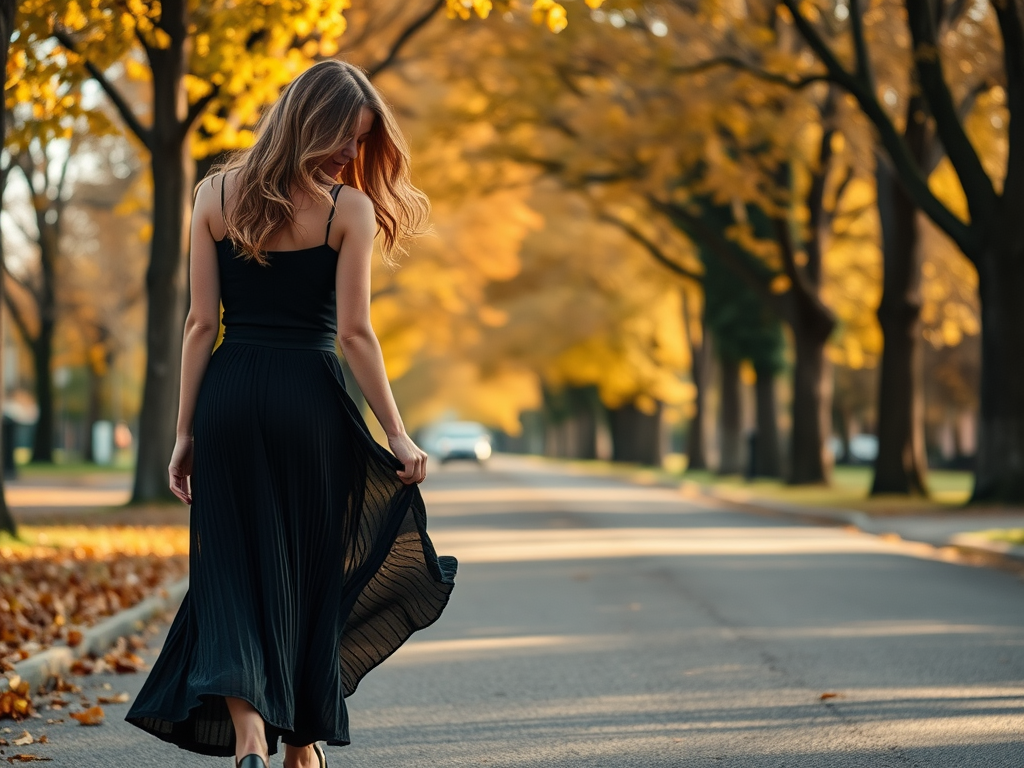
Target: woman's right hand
x=180 y=469
x=413 y=458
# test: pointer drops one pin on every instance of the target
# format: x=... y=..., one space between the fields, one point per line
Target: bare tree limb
x=715 y=241
x=863 y=65
x=21 y=283
x=144 y=134
x=407 y=34
x=197 y=108
x=653 y=248
x=978 y=187
x=16 y=314
x=734 y=62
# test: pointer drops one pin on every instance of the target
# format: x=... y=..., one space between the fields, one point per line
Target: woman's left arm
x=201 y=327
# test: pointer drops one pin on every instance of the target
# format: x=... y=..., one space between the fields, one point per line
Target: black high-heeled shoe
x=320 y=755
x=252 y=761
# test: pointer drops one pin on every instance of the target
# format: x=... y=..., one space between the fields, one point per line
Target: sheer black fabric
x=310 y=562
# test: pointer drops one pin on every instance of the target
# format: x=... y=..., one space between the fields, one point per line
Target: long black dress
x=309 y=560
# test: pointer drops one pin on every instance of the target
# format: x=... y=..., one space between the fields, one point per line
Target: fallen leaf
x=829 y=696
x=24 y=740
x=91 y=716
x=28 y=759
x=117 y=698
x=82 y=667
x=74 y=638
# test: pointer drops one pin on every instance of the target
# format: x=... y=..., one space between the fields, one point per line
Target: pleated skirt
x=309 y=564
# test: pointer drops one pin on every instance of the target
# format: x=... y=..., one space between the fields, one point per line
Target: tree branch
x=404 y=38
x=22 y=284
x=909 y=171
x=651 y=247
x=197 y=108
x=709 y=237
x=977 y=186
x=15 y=310
x=120 y=103
x=737 y=63
x=863 y=65
x=1013 y=57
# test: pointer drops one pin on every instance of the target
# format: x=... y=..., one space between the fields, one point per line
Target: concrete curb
x=56 y=661
x=968 y=543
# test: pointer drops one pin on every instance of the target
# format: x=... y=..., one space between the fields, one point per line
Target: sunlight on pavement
x=462 y=648
x=570 y=493
x=41 y=496
x=489 y=545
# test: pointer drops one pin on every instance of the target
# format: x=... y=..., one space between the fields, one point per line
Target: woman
x=309 y=558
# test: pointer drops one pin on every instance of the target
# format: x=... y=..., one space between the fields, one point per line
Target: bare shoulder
x=206 y=208
x=354 y=206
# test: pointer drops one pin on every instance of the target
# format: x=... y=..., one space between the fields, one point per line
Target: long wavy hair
x=315 y=115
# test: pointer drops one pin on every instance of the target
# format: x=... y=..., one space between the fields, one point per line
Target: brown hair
x=315 y=115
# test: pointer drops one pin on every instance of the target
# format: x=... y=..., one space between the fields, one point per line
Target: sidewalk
x=961 y=529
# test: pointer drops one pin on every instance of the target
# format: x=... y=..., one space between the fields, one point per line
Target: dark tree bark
x=812 y=403
x=585 y=426
x=696 y=439
x=165 y=276
x=636 y=436
x=901 y=466
x=7 y=10
x=730 y=419
x=999 y=464
x=42 y=356
x=767 y=460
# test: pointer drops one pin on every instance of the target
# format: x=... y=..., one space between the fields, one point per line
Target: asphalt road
x=602 y=624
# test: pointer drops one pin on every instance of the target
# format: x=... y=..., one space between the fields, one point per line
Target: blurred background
x=661 y=236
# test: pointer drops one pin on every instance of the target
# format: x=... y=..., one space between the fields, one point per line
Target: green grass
x=71 y=469
x=849 y=488
x=1009 y=535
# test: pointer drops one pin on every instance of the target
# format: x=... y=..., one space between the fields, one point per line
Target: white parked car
x=460 y=440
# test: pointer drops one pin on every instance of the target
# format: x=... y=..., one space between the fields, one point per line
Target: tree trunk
x=585 y=425
x=730 y=420
x=812 y=395
x=42 y=357
x=999 y=464
x=636 y=436
x=767 y=462
x=902 y=465
x=165 y=276
x=94 y=410
x=696 y=441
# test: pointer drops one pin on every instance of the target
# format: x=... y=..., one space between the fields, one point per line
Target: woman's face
x=350 y=149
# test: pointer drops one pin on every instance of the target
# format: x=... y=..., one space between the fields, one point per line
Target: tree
x=986 y=232
x=8 y=8
x=46 y=174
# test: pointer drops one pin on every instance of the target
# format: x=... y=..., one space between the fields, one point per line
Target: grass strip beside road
x=1013 y=536
x=850 y=488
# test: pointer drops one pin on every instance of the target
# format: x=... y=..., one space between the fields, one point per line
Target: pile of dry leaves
x=55 y=582
x=64 y=580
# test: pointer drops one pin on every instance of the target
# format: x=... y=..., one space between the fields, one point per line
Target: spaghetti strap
x=223 y=183
x=334 y=209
